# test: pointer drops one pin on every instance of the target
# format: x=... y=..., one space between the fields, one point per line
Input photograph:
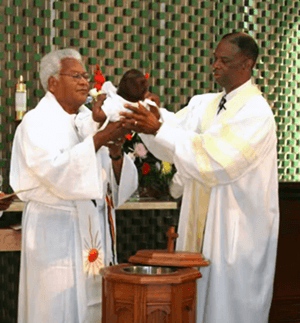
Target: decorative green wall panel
x=23 y=41
x=173 y=40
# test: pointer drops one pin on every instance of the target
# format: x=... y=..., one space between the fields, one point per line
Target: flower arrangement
x=154 y=174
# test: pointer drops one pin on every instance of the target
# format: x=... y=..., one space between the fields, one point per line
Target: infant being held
x=133 y=88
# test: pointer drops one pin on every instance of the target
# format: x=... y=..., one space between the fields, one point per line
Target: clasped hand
x=140 y=119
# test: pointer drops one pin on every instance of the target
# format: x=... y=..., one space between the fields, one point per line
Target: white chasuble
x=65 y=232
x=227 y=164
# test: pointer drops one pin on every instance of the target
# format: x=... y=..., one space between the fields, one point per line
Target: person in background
x=76 y=181
x=5 y=199
x=224 y=148
x=5 y=202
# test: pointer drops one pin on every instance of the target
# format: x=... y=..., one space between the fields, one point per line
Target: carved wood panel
x=158 y=313
x=124 y=312
x=140 y=302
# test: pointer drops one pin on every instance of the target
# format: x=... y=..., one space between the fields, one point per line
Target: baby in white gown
x=132 y=89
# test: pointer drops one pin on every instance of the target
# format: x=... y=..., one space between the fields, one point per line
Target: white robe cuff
x=127 y=185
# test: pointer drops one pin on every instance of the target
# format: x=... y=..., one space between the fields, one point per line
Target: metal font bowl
x=148 y=270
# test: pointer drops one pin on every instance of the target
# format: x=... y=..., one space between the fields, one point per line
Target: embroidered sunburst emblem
x=92 y=255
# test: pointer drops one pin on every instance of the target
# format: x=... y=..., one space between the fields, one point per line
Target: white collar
x=234 y=92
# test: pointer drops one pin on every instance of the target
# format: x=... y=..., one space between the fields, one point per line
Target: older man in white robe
x=225 y=154
x=74 y=177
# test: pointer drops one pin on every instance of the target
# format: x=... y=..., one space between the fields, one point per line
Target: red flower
x=145 y=168
x=147 y=75
x=98 y=78
x=128 y=136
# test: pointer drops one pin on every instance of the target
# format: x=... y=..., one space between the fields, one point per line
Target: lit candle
x=20 y=99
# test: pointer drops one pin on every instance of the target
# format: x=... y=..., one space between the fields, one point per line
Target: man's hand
x=97 y=112
x=109 y=135
x=140 y=120
x=114 y=131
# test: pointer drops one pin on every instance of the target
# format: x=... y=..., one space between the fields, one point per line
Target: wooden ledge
x=10 y=240
x=142 y=204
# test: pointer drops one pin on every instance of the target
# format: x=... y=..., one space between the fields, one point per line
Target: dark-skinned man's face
x=70 y=92
x=228 y=65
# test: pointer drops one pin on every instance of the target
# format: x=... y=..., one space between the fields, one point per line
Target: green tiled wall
x=173 y=40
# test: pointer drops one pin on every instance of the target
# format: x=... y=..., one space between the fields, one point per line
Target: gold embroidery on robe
x=238 y=142
x=203 y=161
x=199 y=199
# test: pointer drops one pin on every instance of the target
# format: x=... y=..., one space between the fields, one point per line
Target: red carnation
x=147 y=75
x=98 y=78
x=128 y=136
x=145 y=168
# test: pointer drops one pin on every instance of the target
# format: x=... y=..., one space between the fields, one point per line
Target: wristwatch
x=116 y=157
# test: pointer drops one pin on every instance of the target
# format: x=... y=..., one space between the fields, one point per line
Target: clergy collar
x=234 y=92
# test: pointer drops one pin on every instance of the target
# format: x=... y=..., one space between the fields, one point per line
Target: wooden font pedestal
x=136 y=298
x=132 y=297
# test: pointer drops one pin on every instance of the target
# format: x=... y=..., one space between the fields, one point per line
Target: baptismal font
x=155 y=286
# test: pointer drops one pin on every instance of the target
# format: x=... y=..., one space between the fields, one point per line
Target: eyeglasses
x=78 y=76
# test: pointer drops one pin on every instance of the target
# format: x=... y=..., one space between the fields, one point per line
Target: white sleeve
x=38 y=158
x=176 y=186
x=225 y=151
x=85 y=124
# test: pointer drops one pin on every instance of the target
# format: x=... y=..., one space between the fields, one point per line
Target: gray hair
x=51 y=63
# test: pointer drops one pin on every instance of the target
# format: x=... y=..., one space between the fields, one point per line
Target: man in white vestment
x=75 y=177
x=224 y=148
